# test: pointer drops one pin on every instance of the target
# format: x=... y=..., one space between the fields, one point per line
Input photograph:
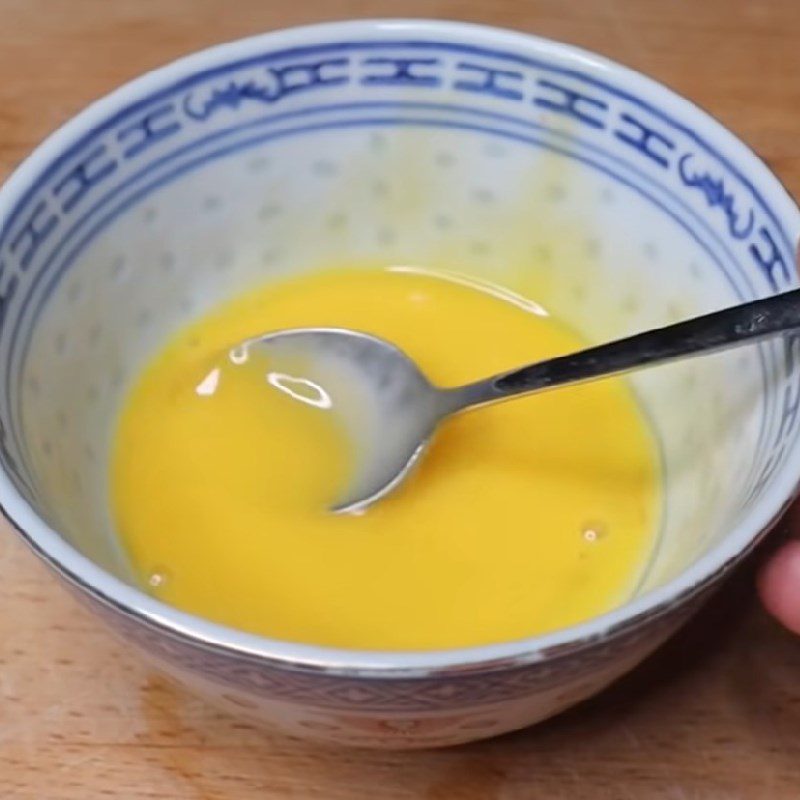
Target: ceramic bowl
x=393 y=141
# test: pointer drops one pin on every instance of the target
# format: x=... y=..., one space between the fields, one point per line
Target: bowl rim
x=134 y=603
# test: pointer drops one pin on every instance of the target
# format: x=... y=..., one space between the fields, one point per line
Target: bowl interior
x=506 y=158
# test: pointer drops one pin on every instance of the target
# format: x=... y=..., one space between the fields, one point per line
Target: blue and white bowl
x=404 y=141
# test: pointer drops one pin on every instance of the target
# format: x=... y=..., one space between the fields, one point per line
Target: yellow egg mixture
x=522 y=518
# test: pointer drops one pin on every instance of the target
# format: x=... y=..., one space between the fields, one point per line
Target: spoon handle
x=720 y=330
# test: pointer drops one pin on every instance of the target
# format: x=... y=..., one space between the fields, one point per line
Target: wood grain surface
x=715 y=715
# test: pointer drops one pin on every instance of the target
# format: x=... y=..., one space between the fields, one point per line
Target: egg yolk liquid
x=522 y=517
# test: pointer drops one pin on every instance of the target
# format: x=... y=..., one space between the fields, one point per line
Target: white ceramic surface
x=446 y=145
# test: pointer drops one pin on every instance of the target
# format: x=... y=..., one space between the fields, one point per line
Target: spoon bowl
x=386 y=405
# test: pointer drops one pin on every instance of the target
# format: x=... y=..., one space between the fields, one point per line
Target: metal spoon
x=391 y=410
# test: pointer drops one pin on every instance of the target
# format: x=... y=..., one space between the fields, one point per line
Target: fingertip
x=779 y=585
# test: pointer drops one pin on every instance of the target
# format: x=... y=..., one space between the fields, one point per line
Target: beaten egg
x=522 y=518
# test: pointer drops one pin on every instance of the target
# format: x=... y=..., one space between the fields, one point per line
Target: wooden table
x=715 y=715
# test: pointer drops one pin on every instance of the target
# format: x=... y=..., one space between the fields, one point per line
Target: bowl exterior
x=441 y=708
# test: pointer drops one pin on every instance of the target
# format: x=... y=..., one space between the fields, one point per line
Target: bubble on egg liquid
x=593 y=531
x=239 y=354
x=158 y=578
